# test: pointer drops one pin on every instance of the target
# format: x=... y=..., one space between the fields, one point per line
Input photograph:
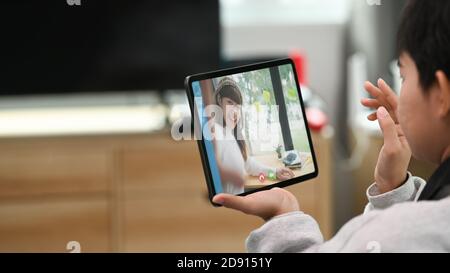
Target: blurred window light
x=256 y=12
x=81 y=121
x=81 y=114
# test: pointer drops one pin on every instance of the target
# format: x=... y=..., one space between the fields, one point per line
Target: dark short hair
x=424 y=34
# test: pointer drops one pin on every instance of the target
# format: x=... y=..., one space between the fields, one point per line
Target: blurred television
x=53 y=47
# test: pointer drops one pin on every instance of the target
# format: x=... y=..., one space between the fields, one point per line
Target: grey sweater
x=392 y=222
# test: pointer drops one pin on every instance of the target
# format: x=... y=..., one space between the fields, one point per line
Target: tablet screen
x=252 y=126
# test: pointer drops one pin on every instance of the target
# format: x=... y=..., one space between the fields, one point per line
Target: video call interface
x=253 y=127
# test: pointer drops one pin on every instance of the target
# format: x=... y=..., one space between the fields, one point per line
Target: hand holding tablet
x=251 y=128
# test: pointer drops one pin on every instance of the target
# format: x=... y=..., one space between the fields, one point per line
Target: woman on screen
x=230 y=146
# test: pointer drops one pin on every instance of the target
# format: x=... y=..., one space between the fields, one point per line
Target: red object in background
x=316 y=119
x=299 y=60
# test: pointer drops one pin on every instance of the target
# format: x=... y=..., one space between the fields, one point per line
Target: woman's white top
x=230 y=156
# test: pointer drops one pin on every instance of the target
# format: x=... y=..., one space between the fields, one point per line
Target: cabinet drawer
x=187 y=222
x=41 y=172
x=164 y=165
x=184 y=223
x=48 y=225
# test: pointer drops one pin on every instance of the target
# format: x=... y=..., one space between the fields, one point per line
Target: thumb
x=232 y=201
x=388 y=127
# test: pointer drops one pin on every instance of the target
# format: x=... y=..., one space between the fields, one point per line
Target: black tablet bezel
x=201 y=144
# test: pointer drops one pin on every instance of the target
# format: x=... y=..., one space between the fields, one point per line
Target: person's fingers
x=219 y=198
x=389 y=129
x=378 y=95
x=289 y=172
x=370 y=103
x=383 y=92
x=372 y=117
x=391 y=98
x=374 y=91
x=284 y=177
x=389 y=94
x=233 y=202
x=383 y=95
x=285 y=173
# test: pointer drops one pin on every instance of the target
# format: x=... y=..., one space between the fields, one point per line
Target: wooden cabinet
x=126 y=193
x=47 y=225
x=46 y=171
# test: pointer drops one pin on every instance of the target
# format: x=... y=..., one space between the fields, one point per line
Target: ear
x=443 y=84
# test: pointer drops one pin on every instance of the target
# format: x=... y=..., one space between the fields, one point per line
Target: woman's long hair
x=227 y=88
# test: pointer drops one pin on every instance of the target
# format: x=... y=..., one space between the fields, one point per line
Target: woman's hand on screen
x=265 y=204
x=284 y=173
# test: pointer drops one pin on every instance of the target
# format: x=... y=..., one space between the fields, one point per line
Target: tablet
x=251 y=128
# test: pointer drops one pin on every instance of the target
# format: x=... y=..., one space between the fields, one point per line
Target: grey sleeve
x=290 y=232
x=409 y=191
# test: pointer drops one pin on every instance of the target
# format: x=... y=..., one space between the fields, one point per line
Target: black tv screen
x=55 y=46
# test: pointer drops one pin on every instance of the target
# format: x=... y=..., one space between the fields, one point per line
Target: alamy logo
x=373 y=2
x=73 y=247
x=373 y=247
x=73 y=2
